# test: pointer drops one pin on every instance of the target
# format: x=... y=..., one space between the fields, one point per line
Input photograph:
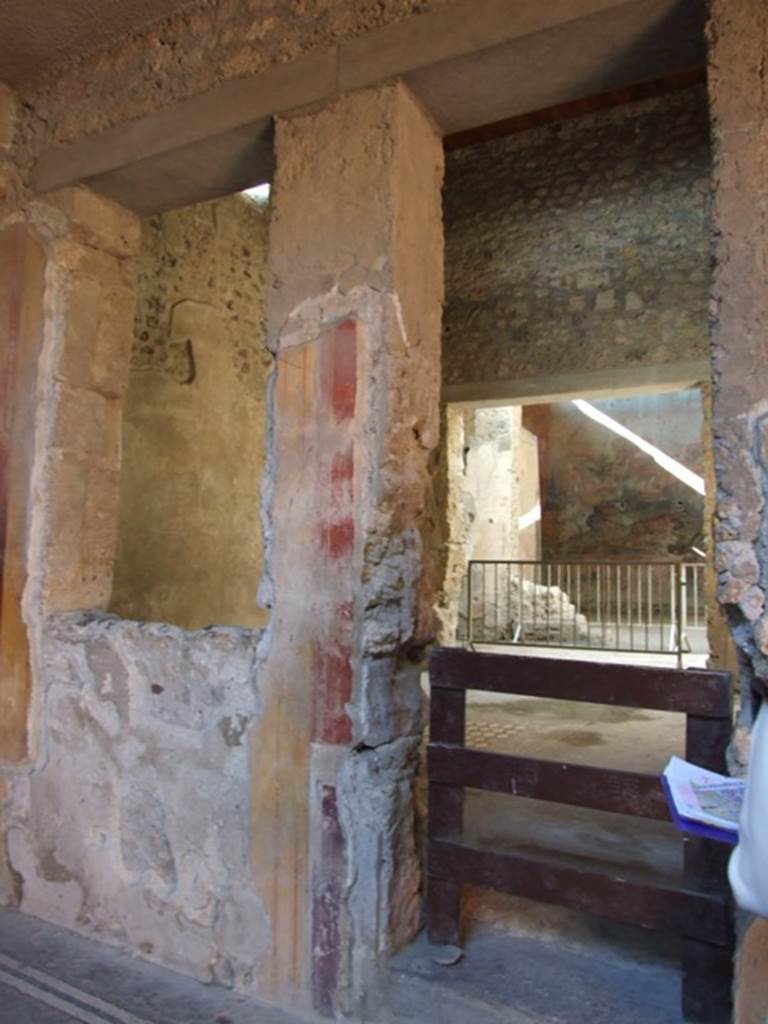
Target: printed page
x=704 y=796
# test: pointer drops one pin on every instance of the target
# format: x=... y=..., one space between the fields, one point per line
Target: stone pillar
x=738 y=36
x=354 y=320
x=66 y=319
x=482 y=454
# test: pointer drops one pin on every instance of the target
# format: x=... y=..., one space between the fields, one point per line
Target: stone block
x=97 y=221
x=87 y=423
x=126 y=851
x=83 y=504
x=97 y=323
x=605 y=301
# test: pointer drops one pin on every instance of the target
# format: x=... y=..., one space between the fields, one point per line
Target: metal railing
x=632 y=607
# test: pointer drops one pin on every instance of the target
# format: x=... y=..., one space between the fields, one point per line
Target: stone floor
x=52 y=976
x=619 y=976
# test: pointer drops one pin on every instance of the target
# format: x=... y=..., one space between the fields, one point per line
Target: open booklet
x=702 y=802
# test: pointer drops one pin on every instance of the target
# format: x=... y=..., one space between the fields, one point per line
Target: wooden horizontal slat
x=602 y=789
x=694 y=691
x=700 y=915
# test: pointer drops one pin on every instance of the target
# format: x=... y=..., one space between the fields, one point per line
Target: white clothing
x=748 y=868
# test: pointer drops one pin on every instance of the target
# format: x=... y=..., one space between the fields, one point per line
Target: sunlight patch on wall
x=677 y=469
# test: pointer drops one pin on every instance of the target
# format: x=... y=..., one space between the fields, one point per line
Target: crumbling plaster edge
x=50 y=226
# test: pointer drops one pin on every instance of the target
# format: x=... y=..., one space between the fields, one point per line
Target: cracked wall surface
x=190 y=549
x=354 y=317
x=738 y=56
x=127 y=815
x=581 y=245
x=70 y=362
x=602 y=497
x=131 y=826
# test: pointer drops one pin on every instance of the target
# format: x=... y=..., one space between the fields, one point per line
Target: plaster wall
x=133 y=826
x=529 y=545
x=190 y=548
x=482 y=495
x=580 y=246
x=603 y=498
x=328 y=700
x=66 y=350
x=127 y=815
x=354 y=318
x=738 y=40
x=491 y=482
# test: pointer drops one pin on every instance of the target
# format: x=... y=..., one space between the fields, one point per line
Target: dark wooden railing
x=699 y=910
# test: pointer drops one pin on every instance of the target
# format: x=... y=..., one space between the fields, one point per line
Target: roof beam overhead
x=470 y=63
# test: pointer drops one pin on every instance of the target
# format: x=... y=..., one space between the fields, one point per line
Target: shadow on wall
x=190 y=545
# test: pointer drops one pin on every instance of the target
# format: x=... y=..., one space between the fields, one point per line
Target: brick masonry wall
x=580 y=246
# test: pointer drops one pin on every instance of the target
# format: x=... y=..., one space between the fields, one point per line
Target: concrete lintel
x=456 y=31
x=470 y=63
x=591 y=384
x=237 y=105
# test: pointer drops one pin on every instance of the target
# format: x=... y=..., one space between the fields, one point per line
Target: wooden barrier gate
x=699 y=910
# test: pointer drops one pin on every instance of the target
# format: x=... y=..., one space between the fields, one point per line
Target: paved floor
x=620 y=978
x=52 y=976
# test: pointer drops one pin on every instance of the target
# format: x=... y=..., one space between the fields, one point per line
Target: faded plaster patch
x=134 y=826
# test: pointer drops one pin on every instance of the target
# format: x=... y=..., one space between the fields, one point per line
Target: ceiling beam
x=469 y=63
x=673 y=82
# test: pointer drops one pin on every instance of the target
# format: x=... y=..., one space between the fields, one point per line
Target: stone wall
x=190 y=549
x=602 y=497
x=738 y=36
x=125 y=785
x=481 y=492
x=66 y=308
x=580 y=246
x=133 y=826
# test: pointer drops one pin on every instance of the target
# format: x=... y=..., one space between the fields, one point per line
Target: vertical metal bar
x=598 y=599
x=609 y=600
x=469 y=605
x=486 y=610
x=630 y=606
x=618 y=606
x=679 y=572
x=496 y=600
x=508 y=612
x=521 y=588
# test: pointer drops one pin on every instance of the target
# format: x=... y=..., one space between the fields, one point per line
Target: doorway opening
x=579 y=526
